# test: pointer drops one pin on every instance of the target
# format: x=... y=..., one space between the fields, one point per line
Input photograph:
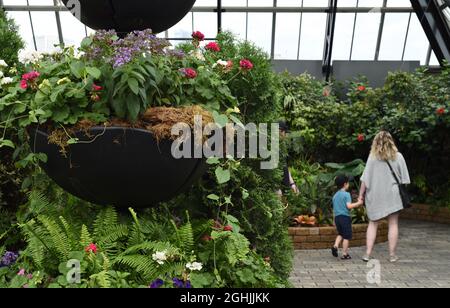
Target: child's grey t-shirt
x=340 y=201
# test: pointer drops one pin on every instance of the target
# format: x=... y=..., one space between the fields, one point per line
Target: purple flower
x=178 y=283
x=158 y=283
x=176 y=53
x=8 y=259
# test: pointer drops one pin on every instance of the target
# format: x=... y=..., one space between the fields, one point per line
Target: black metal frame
x=435 y=27
x=329 y=39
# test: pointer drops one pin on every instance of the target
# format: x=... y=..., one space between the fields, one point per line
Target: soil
x=157 y=120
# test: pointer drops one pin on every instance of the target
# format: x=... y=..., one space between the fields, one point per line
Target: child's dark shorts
x=344 y=227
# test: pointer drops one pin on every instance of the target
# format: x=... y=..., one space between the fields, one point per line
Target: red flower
x=228 y=228
x=246 y=64
x=189 y=73
x=230 y=64
x=361 y=88
x=31 y=76
x=213 y=46
x=440 y=111
x=23 y=84
x=96 y=88
x=198 y=36
x=361 y=138
x=91 y=248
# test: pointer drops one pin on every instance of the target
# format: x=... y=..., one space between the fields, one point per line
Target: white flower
x=199 y=55
x=3 y=63
x=1 y=74
x=194 y=266
x=222 y=63
x=160 y=257
x=29 y=56
x=6 y=80
x=79 y=54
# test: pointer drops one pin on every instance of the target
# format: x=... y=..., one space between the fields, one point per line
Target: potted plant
x=103 y=115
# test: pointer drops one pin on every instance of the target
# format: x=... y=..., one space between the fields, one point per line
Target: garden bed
x=424 y=212
x=324 y=237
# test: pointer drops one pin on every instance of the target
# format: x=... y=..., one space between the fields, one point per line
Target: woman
x=380 y=190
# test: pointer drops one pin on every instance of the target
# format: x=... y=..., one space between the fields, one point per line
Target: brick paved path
x=424 y=253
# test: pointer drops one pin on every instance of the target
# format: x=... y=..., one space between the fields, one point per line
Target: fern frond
x=102 y=279
x=58 y=238
x=186 y=238
x=143 y=265
x=70 y=233
x=113 y=234
x=147 y=247
x=105 y=219
x=85 y=237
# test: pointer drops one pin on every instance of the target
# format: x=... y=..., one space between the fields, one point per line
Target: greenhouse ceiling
x=286 y=29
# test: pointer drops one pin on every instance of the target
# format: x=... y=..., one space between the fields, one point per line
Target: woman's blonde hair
x=383 y=147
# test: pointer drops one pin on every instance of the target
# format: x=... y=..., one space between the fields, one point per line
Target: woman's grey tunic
x=382 y=194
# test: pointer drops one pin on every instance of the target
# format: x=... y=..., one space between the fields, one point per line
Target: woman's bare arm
x=362 y=191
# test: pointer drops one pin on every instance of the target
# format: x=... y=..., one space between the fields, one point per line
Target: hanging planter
x=104 y=116
x=129 y=15
x=119 y=166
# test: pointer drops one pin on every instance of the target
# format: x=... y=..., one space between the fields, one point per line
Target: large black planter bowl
x=124 y=167
x=129 y=15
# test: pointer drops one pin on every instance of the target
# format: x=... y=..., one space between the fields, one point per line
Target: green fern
x=105 y=219
x=58 y=238
x=85 y=237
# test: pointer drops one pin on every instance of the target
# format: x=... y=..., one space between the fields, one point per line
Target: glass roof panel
x=297 y=35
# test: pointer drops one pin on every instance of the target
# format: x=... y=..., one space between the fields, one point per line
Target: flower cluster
x=198 y=36
x=29 y=78
x=160 y=257
x=189 y=73
x=8 y=259
x=246 y=65
x=213 y=46
x=30 y=57
x=181 y=284
x=361 y=138
x=158 y=283
x=4 y=80
x=194 y=266
x=95 y=97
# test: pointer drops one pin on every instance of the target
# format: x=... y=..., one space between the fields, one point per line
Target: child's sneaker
x=334 y=252
x=366 y=258
x=393 y=259
x=346 y=257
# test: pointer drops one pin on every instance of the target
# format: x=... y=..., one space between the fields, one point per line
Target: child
x=342 y=204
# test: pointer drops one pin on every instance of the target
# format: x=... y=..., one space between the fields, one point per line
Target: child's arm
x=355 y=205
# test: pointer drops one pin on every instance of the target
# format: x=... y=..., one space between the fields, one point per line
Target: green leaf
x=134 y=107
x=73 y=141
x=213 y=197
x=134 y=85
x=213 y=161
x=86 y=42
x=6 y=143
x=220 y=119
x=94 y=72
x=245 y=194
x=223 y=175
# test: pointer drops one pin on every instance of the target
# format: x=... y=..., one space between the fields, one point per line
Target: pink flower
x=246 y=64
x=91 y=248
x=198 y=36
x=96 y=88
x=23 y=84
x=21 y=272
x=30 y=276
x=189 y=73
x=31 y=76
x=213 y=46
